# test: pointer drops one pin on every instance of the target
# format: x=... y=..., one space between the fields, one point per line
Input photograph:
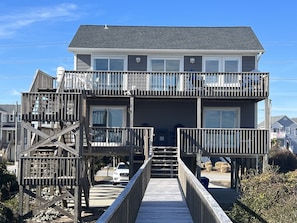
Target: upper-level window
x=213 y=65
x=231 y=65
x=111 y=64
x=110 y=80
x=165 y=65
x=164 y=81
x=221 y=64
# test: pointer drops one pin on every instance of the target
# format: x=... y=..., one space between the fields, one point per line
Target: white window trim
x=239 y=68
x=125 y=58
x=221 y=60
x=165 y=57
x=204 y=59
x=220 y=80
x=156 y=57
x=236 y=109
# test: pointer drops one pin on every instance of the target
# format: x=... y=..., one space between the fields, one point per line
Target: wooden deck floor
x=163 y=202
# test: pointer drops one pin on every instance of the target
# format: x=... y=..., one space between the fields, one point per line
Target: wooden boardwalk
x=163 y=201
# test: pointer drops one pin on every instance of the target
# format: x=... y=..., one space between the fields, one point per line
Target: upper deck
x=250 y=85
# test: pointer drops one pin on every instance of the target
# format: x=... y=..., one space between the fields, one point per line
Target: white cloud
x=10 y=24
x=16 y=93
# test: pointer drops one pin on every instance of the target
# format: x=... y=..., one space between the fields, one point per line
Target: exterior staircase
x=164 y=162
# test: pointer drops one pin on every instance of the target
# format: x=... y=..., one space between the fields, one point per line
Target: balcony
x=224 y=142
x=115 y=140
x=175 y=84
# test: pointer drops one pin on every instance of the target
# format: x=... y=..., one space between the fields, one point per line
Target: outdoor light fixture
x=192 y=60
x=138 y=59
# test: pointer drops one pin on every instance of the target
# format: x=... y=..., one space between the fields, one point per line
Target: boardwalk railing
x=244 y=84
x=202 y=206
x=223 y=141
x=125 y=208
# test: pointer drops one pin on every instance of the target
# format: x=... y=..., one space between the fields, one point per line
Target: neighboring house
x=139 y=90
x=9 y=116
x=284 y=130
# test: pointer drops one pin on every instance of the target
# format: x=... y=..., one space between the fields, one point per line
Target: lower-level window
x=218 y=119
x=107 y=124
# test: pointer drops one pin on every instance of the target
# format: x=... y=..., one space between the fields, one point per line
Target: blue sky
x=35 y=35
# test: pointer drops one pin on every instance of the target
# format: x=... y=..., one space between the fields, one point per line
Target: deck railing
x=42 y=81
x=49 y=170
x=244 y=84
x=234 y=141
x=51 y=106
x=114 y=138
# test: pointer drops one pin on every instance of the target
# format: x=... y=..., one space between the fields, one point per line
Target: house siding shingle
x=134 y=66
x=196 y=66
x=83 y=61
x=248 y=63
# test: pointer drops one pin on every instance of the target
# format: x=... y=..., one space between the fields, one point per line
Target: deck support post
x=267 y=126
x=198 y=113
x=131 y=112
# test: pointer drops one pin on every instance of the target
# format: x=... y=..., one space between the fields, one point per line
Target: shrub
x=284 y=159
x=267 y=197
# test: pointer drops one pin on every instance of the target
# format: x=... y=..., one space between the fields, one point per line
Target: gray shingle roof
x=9 y=108
x=160 y=37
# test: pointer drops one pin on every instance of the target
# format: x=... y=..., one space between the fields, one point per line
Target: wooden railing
x=51 y=106
x=42 y=81
x=244 y=84
x=202 y=206
x=49 y=170
x=125 y=208
x=138 y=139
x=227 y=142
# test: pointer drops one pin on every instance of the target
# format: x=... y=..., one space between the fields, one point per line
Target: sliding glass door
x=166 y=79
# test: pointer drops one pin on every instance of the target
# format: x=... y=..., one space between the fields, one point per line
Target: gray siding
x=134 y=66
x=248 y=63
x=165 y=113
x=83 y=61
x=196 y=66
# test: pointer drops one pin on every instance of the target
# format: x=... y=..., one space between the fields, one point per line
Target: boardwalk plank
x=163 y=202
